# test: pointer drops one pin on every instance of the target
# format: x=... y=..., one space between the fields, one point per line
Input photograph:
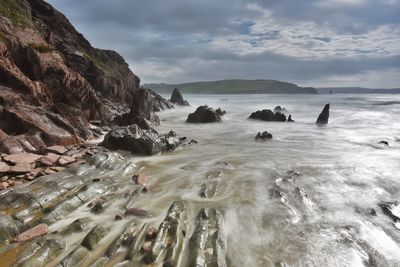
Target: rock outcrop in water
x=290 y=119
x=268 y=115
x=140 y=141
x=53 y=83
x=204 y=114
x=324 y=116
x=263 y=136
x=177 y=98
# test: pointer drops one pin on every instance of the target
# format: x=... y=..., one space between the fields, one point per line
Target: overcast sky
x=309 y=42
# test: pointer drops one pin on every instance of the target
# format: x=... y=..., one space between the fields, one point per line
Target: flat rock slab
x=4 y=168
x=50 y=159
x=39 y=230
x=22 y=167
x=22 y=158
x=65 y=160
x=57 y=149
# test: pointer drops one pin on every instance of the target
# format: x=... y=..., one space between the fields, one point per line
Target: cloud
x=308 y=42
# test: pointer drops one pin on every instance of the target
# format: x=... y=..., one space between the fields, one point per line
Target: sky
x=318 y=43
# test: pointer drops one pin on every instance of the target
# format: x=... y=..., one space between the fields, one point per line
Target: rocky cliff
x=52 y=81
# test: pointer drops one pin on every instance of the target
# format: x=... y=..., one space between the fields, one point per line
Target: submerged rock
x=386 y=143
x=324 y=116
x=392 y=209
x=204 y=114
x=94 y=237
x=263 y=136
x=140 y=141
x=177 y=98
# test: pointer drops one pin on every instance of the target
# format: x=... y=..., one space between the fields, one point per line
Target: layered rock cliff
x=52 y=81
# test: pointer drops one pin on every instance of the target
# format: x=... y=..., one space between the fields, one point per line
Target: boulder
x=204 y=114
x=324 y=116
x=278 y=116
x=140 y=141
x=177 y=98
x=22 y=167
x=267 y=115
x=290 y=119
x=140 y=179
x=386 y=143
x=279 y=109
x=50 y=159
x=263 y=136
x=66 y=160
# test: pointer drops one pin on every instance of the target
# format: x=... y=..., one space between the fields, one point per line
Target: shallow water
x=301 y=199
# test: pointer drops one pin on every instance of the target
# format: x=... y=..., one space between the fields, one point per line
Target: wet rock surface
x=140 y=141
x=323 y=117
x=177 y=98
x=204 y=114
x=263 y=136
x=268 y=115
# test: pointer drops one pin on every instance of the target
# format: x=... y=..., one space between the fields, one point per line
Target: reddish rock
x=22 y=167
x=4 y=168
x=136 y=212
x=39 y=230
x=66 y=160
x=140 y=179
x=57 y=149
x=50 y=159
x=3 y=185
x=36 y=172
x=22 y=158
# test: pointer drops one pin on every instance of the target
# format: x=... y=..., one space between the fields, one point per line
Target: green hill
x=233 y=87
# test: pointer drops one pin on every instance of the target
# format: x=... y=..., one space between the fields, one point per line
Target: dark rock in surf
x=324 y=116
x=391 y=209
x=386 y=143
x=177 y=98
x=220 y=112
x=263 y=136
x=278 y=116
x=267 y=115
x=204 y=114
x=140 y=141
x=279 y=109
x=290 y=119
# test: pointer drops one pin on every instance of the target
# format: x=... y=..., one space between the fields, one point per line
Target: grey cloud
x=169 y=41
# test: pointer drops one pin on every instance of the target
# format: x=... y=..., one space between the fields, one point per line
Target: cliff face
x=52 y=81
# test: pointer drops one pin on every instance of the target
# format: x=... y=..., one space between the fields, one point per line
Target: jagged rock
x=279 y=109
x=267 y=115
x=204 y=114
x=39 y=230
x=290 y=119
x=177 y=98
x=139 y=141
x=220 y=112
x=263 y=136
x=324 y=116
x=278 y=116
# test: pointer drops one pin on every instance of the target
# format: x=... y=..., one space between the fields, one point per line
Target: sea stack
x=177 y=98
x=290 y=119
x=324 y=116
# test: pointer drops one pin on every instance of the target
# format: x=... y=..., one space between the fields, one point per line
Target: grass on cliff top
x=16 y=12
x=42 y=48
